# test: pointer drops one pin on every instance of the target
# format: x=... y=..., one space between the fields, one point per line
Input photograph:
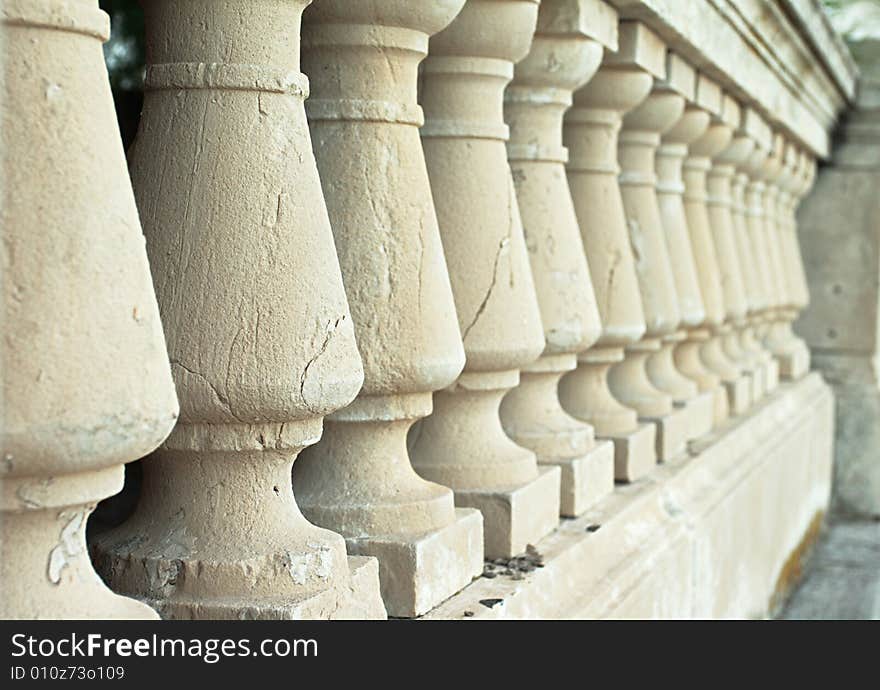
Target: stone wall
x=841 y=245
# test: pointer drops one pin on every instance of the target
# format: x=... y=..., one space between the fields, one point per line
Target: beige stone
x=805 y=178
x=759 y=359
x=712 y=536
x=358 y=480
x=590 y=132
x=766 y=50
x=696 y=168
x=724 y=230
x=792 y=352
x=639 y=58
x=463 y=444
x=688 y=340
x=86 y=381
x=562 y=58
x=753 y=168
x=580 y=296
x=653 y=247
x=258 y=328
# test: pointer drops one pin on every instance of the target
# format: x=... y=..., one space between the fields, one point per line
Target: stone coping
x=714 y=534
x=787 y=63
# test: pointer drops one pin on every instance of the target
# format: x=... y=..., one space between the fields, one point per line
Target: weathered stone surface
x=258 y=327
x=722 y=216
x=586 y=480
x=701 y=227
x=704 y=537
x=86 y=384
x=559 y=62
x=463 y=444
x=662 y=369
x=517 y=513
x=758 y=359
x=642 y=55
x=358 y=480
x=781 y=174
x=421 y=570
x=671 y=155
x=591 y=132
x=635 y=453
x=512 y=320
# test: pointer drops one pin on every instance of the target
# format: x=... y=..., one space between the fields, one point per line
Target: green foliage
x=124 y=52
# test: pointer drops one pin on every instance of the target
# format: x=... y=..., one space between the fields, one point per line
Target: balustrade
x=373 y=319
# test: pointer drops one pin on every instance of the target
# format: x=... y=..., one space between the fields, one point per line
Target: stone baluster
x=259 y=332
x=562 y=58
x=770 y=170
x=744 y=142
x=807 y=178
x=792 y=352
x=86 y=381
x=721 y=220
x=647 y=379
x=670 y=193
x=590 y=133
x=788 y=184
x=696 y=169
x=463 y=444
x=753 y=168
x=362 y=62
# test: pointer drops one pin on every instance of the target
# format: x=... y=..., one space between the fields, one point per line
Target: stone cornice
x=780 y=57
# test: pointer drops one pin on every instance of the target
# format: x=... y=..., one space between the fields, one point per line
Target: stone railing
x=478 y=263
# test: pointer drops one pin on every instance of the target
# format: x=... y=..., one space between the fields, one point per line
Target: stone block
x=635 y=453
x=419 y=572
x=638 y=46
x=739 y=394
x=673 y=433
x=585 y=480
x=516 y=517
x=771 y=375
x=794 y=364
x=701 y=415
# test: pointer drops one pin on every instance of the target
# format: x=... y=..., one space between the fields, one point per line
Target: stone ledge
x=706 y=536
x=758 y=51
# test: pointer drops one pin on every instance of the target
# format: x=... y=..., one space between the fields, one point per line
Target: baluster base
x=532 y=416
x=635 y=453
x=584 y=480
x=736 y=382
x=673 y=433
x=771 y=374
x=217 y=533
x=516 y=517
x=359 y=601
x=417 y=572
x=44 y=563
x=701 y=415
